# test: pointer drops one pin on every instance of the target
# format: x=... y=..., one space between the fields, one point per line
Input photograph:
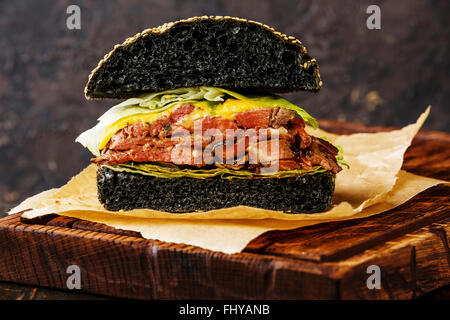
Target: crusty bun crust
x=215 y=51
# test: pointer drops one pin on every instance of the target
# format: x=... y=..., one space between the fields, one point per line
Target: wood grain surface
x=410 y=244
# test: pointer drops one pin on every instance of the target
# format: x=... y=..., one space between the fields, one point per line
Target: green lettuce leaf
x=161 y=170
x=160 y=100
x=340 y=157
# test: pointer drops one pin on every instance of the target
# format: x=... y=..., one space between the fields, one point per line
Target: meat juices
x=155 y=142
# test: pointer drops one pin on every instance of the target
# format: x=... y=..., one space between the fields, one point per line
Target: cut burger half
x=197 y=148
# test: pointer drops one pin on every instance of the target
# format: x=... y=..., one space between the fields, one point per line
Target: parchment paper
x=373 y=184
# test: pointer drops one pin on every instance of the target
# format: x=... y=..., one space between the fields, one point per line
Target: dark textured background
x=379 y=77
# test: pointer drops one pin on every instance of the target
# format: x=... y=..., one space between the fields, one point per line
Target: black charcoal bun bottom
x=224 y=52
x=126 y=191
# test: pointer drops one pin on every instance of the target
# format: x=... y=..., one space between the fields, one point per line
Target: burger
x=202 y=125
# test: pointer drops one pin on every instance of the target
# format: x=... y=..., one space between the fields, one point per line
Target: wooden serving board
x=410 y=245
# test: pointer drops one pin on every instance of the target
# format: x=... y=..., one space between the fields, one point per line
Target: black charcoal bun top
x=222 y=52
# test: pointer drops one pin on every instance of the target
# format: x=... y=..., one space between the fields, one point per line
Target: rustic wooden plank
x=47 y=257
x=174 y=271
x=428 y=157
x=411 y=265
x=74 y=223
x=13 y=291
x=139 y=268
x=58 y=221
x=442 y=293
x=338 y=240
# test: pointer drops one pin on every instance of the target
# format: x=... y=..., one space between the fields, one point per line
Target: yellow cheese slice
x=226 y=110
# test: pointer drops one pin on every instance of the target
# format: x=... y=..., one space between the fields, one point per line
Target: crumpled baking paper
x=373 y=184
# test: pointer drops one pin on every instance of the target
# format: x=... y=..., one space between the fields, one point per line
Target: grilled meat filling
x=158 y=142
